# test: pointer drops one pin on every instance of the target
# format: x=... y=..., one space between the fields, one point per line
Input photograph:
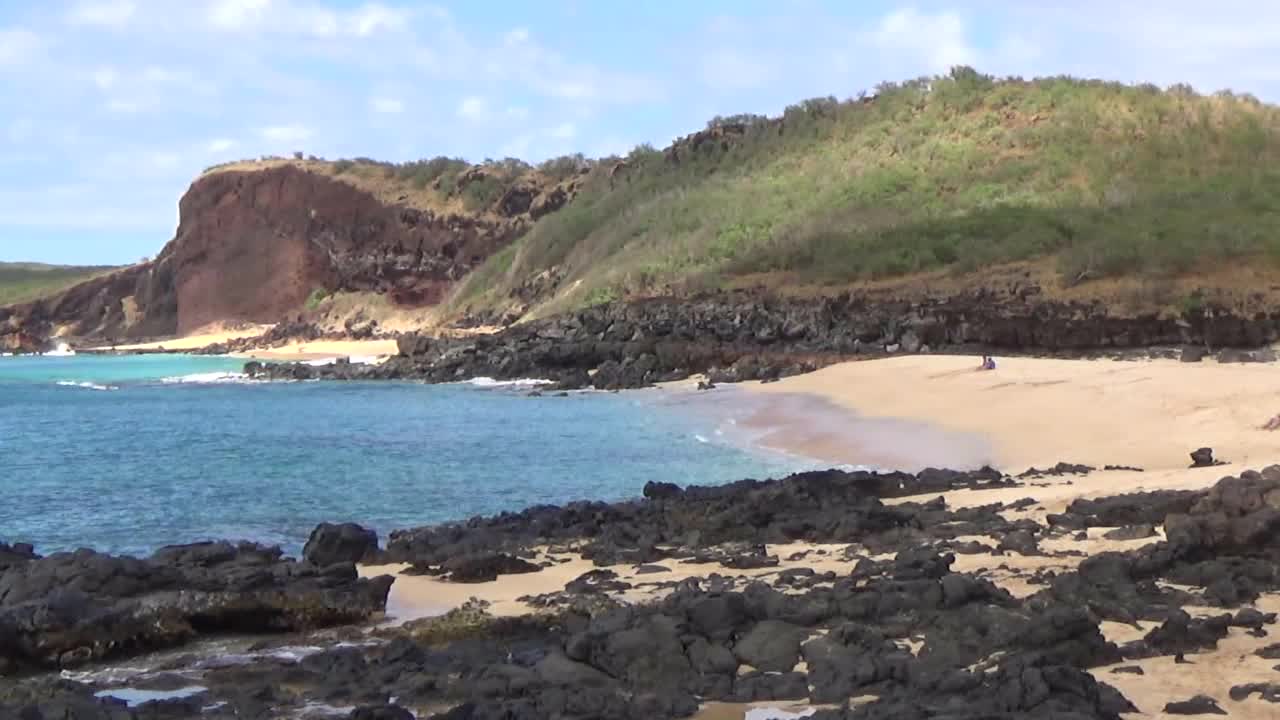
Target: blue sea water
x=127 y=454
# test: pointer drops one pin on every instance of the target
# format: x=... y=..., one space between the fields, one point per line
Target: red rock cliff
x=253 y=245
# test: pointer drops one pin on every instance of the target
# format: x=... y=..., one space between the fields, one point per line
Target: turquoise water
x=126 y=454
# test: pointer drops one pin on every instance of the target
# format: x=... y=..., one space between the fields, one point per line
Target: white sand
x=1038 y=412
x=324 y=350
x=194 y=341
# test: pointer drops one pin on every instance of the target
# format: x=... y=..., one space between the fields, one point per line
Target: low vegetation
x=441 y=184
x=956 y=173
x=24 y=282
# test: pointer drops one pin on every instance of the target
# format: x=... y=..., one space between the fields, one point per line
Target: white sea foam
x=86 y=385
x=63 y=350
x=700 y=438
x=133 y=697
x=206 y=378
x=488 y=382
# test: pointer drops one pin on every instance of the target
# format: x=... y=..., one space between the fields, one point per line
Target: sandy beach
x=1037 y=412
x=1028 y=412
x=362 y=350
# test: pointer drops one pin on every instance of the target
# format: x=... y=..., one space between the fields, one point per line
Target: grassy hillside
x=23 y=282
x=955 y=174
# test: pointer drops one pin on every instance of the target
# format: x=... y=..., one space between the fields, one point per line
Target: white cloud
x=103 y=13
x=564 y=131
x=221 y=145
x=105 y=78
x=518 y=113
x=237 y=14
x=386 y=105
x=372 y=18
x=17 y=45
x=286 y=133
x=473 y=108
x=302 y=18
x=940 y=40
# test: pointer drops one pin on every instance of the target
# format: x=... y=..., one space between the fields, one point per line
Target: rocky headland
x=752 y=335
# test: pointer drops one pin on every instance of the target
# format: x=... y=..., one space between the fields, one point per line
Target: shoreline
x=854 y=542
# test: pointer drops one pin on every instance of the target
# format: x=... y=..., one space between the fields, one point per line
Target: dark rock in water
x=71 y=608
x=1203 y=457
x=15 y=555
x=1269 y=692
x=381 y=712
x=1131 y=532
x=486 y=567
x=1198 y=705
x=1128 y=670
x=348 y=542
x=706 y=385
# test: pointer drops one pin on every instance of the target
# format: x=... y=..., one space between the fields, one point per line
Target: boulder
x=348 y=542
x=1203 y=457
x=771 y=646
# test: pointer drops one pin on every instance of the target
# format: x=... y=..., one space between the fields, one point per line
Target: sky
x=109 y=108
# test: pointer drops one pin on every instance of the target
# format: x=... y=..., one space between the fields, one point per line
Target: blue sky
x=108 y=108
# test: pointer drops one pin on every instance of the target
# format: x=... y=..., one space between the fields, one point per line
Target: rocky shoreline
x=906 y=627
x=733 y=337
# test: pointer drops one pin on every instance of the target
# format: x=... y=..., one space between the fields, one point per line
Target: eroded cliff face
x=251 y=246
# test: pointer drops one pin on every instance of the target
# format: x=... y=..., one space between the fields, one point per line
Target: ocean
x=126 y=454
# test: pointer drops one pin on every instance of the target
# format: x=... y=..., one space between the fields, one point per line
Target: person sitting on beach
x=988 y=363
x=1272 y=424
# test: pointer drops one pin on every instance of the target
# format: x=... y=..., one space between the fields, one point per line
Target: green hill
x=23 y=282
x=958 y=174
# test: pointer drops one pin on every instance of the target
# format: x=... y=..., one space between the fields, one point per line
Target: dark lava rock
x=1193 y=353
x=1266 y=691
x=1270 y=652
x=1198 y=705
x=651 y=569
x=381 y=712
x=1144 y=508
x=596 y=581
x=1203 y=457
x=1131 y=532
x=71 y=608
x=348 y=542
x=1128 y=670
x=486 y=567
x=771 y=646
x=15 y=555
